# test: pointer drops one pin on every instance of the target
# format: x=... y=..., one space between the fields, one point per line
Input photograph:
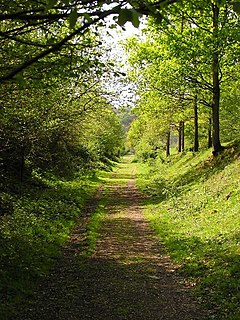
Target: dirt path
x=128 y=276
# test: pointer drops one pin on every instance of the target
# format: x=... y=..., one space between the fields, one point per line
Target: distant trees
x=54 y=114
x=186 y=63
x=46 y=131
x=51 y=69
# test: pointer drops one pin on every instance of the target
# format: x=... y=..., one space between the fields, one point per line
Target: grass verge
x=93 y=229
x=34 y=228
x=192 y=201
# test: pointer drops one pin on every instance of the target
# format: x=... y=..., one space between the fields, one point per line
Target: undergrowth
x=192 y=201
x=33 y=227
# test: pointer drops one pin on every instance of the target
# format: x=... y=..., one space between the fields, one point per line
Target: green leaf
x=236 y=7
x=51 y=4
x=130 y=15
x=158 y=18
x=73 y=18
x=20 y=80
x=221 y=3
x=135 y=18
x=87 y=17
x=124 y=16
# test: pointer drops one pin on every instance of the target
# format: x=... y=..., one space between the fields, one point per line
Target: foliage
x=145 y=140
x=104 y=136
x=56 y=130
x=230 y=112
x=193 y=204
x=46 y=123
x=46 y=28
x=172 y=65
x=31 y=236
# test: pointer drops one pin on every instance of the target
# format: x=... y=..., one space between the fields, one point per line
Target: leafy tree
x=178 y=56
x=47 y=27
x=212 y=30
x=42 y=113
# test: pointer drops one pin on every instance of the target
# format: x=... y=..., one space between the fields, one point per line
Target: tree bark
x=210 y=133
x=216 y=84
x=196 y=137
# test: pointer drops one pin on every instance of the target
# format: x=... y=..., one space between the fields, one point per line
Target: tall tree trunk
x=216 y=86
x=196 y=138
x=183 y=134
x=210 y=133
x=168 y=143
x=180 y=137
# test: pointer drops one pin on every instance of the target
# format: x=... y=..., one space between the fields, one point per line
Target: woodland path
x=128 y=277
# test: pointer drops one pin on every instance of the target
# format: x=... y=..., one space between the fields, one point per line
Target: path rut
x=129 y=276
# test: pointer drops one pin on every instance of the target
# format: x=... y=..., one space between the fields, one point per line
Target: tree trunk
x=168 y=144
x=196 y=138
x=216 y=86
x=210 y=133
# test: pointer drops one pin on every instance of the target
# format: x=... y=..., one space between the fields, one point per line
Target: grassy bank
x=193 y=204
x=33 y=228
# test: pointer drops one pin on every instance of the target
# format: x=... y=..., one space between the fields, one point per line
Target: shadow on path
x=128 y=277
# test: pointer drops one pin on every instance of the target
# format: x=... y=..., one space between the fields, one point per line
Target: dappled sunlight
x=123 y=177
x=128 y=276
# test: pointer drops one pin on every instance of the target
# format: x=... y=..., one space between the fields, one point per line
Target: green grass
x=93 y=228
x=192 y=202
x=32 y=233
x=35 y=225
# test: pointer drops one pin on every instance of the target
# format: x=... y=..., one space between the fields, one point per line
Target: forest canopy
x=55 y=114
x=52 y=66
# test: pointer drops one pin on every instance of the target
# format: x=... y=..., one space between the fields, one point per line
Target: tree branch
x=58 y=45
x=196 y=24
x=6 y=36
x=205 y=86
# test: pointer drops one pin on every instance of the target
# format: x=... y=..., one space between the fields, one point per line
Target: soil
x=129 y=276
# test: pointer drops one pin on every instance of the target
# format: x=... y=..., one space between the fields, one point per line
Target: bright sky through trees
x=123 y=92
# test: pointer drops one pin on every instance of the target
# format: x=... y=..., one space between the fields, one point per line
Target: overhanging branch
x=58 y=45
